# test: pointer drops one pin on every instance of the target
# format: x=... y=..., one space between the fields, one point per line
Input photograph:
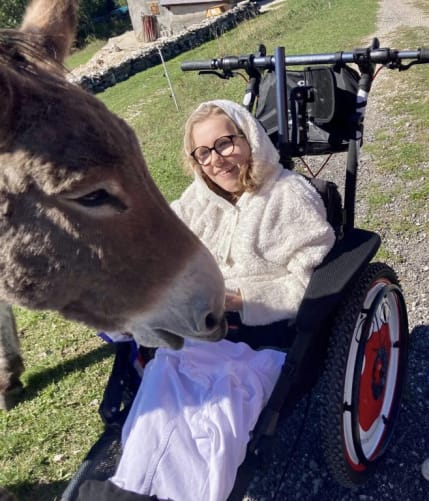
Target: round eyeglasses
x=223 y=146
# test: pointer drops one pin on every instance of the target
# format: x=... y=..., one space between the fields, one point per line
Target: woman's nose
x=216 y=159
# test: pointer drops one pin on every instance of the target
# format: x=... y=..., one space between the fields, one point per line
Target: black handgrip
x=424 y=54
x=230 y=63
x=198 y=65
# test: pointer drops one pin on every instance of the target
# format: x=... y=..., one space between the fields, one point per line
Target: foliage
x=11 y=12
x=94 y=21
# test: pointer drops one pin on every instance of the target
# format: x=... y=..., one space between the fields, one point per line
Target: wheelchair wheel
x=364 y=377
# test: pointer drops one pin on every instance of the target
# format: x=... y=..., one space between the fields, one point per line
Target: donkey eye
x=99 y=198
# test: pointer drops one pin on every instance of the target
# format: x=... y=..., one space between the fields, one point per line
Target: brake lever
x=397 y=65
x=224 y=75
x=404 y=67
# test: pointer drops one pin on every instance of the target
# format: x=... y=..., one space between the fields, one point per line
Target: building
x=152 y=18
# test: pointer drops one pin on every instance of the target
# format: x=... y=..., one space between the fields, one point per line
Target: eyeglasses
x=223 y=146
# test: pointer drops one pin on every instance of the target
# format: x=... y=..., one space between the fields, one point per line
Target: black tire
x=364 y=375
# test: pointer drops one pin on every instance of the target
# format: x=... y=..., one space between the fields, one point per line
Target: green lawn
x=82 y=56
x=301 y=26
x=399 y=148
x=44 y=439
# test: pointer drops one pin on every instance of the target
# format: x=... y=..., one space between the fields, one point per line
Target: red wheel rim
x=375 y=375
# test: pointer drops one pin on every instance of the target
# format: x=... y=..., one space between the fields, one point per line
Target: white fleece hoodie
x=268 y=244
x=196 y=406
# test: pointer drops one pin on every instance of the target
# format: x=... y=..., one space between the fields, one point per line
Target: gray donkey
x=83 y=228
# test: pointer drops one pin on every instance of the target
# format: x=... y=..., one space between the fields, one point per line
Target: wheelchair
x=351 y=333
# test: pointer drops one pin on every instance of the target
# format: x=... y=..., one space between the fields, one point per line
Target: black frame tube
x=281 y=98
x=375 y=56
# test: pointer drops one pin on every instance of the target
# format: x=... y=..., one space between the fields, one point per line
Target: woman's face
x=223 y=169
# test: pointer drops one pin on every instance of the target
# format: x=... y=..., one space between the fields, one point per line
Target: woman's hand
x=233 y=301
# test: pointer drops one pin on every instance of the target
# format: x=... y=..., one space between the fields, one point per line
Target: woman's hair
x=247 y=178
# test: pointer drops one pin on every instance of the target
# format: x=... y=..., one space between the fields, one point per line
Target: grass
x=300 y=25
x=401 y=148
x=82 y=56
x=44 y=439
x=423 y=5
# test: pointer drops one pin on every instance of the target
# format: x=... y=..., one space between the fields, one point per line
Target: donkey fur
x=83 y=228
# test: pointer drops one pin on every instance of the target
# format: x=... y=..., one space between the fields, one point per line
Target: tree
x=110 y=5
x=11 y=12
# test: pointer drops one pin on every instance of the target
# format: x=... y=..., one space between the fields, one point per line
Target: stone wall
x=97 y=76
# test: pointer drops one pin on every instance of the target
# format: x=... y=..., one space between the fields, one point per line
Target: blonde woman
x=187 y=432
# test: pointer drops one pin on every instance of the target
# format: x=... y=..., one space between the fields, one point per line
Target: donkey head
x=83 y=228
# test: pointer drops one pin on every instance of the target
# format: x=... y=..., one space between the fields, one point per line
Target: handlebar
x=390 y=57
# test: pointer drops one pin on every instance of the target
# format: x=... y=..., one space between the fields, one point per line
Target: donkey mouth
x=169 y=339
x=175 y=341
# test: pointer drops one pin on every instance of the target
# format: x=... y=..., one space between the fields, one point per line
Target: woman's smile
x=225 y=172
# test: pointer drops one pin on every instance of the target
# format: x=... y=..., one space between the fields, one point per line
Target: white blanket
x=189 y=426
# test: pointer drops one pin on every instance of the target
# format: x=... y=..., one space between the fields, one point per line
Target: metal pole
x=168 y=79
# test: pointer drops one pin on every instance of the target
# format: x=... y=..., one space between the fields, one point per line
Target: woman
x=189 y=426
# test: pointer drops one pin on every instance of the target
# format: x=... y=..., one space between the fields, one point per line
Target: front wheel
x=364 y=376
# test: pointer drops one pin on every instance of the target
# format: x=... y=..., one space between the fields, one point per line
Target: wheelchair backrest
x=321 y=105
x=331 y=197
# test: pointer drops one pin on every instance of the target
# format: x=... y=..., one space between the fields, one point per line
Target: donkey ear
x=54 y=21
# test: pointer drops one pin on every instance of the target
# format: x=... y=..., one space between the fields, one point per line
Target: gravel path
x=299 y=468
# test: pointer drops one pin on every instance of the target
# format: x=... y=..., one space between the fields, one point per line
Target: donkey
x=83 y=228
x=11 y=363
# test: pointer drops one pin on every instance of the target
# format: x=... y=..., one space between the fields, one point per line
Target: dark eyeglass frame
x=231 y=137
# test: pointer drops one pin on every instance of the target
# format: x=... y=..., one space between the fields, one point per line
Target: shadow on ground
x=38 y=491
x=37 y=382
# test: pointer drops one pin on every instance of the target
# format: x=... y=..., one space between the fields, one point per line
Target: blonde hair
x=247 y=178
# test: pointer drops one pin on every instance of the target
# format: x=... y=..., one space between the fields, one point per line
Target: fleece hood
x=266 y=160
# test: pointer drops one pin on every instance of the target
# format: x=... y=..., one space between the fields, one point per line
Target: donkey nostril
x=211 y=321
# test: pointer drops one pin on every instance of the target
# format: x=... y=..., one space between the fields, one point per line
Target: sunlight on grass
x=45 y=437
x=301 y=26
x=82 y=56
x=402 y=147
